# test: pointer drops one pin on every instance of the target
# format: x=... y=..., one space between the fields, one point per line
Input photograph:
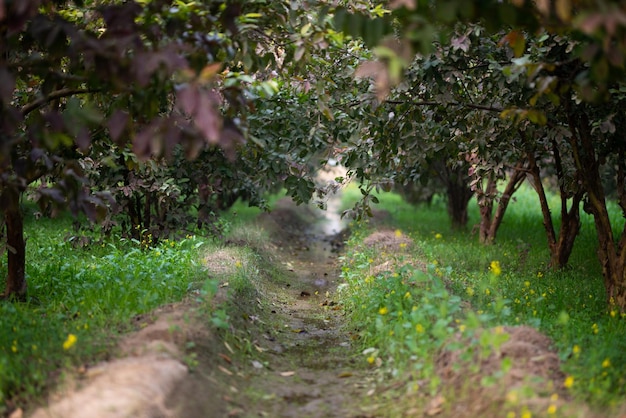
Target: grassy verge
x=446 y=287
x=81 y=299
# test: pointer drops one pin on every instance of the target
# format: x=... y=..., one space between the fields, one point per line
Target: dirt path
x=291 y=356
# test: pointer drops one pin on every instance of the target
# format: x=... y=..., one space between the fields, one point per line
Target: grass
x=405 y=315
x=81 y=299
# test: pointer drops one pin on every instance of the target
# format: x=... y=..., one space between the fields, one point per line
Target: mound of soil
x=388 y=240
x=533 y=365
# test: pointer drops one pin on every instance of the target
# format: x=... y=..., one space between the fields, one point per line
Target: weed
x=80 y=298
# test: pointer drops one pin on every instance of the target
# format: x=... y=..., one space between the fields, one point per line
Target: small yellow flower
x=371 y=359
x=495 y=268
x=554 y=397
x=469 y=291
x=407 y=295
x=527 y=414
x=462 y=328
x=576 y=350
x=383 y=310
x=606 y=363
x=438 y=236
x=569 y=382
x=69 y=342
x=512 y=397
x=487 y=292
x=238 y=264
x=527 y=283
x=419 y=328
x=613 y=313
x=594 y=328
x=539 y=274
x=403 y=245
x=552 y=409
x=398 y=233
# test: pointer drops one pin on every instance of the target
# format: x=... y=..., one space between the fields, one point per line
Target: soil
x=288 y=352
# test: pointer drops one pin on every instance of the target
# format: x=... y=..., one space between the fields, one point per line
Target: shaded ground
x=299 y=361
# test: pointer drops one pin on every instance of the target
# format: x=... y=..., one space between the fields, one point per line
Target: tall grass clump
x=81 y=299
x=504 y=284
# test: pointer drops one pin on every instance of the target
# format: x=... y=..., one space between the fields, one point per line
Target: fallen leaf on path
x=258 y=348
x=435 y=406
x=225 y=370
x=257 y=364
x=226 y=358
x=343 y=375
x=228 y=347
x=225 y=284
x=287 y=374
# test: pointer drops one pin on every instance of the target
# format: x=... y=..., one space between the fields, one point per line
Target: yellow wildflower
x=419 y=328
x=569 y=382
x=576 y=349
x=371 y=359
x=606 y=363
x=398 y=233
x=552 y=409
x=495 y=268
x=383 y=310
x=438 y=236
x=69 y=342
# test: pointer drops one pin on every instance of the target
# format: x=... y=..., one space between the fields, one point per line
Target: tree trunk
x=458 y=193
x=612 y=254
x=485 y=205
x=490 y=222
x=459 y=196
x=16 y=246
x=561 y=247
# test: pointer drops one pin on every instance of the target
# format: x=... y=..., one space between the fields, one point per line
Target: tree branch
x=57 y=94
x=433 y=103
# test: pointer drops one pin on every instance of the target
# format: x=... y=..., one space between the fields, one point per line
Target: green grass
x=81 y=299
x=396 y=310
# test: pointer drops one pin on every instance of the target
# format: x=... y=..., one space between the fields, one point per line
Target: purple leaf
x=117 y=124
